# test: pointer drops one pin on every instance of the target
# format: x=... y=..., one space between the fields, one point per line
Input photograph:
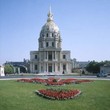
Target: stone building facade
x=50 y=58
x=2 y=71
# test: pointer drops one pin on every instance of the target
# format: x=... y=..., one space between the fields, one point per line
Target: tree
x=8 y=69
x=93 y=67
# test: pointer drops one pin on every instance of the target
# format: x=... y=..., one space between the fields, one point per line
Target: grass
x=21 y=96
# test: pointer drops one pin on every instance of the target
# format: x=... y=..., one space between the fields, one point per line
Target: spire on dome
x=50 y=15
x=50 y=9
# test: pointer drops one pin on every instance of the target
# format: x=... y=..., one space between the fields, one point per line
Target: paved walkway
x=60 y=76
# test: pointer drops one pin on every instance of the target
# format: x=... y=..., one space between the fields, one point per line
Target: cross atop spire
x=50 y=15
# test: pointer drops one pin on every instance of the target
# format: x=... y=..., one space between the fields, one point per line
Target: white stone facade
x=2 y=71
x=50 y=58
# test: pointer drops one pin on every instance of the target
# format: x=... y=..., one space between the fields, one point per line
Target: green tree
x=93 y=67
x=8 y=69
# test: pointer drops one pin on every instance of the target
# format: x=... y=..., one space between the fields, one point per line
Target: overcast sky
x=84 y=27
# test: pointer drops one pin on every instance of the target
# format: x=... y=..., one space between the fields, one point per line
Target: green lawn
x=21 y=96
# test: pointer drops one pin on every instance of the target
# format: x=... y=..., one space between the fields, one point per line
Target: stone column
x=66 y=67
x=47 y=55
x=39 y=67
x=55 y=55
x=61 y=70
x=52 y=67
x=56 y=67
x=47 y=67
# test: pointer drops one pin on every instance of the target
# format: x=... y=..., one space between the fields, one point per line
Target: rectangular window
x=47 y=44
x=52 y=34
x=35 y=67
x=52 y=44
x=64 y=56
x=35 y=56
x=50 y=56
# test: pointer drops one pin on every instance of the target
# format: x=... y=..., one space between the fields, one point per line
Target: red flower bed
x=58 y=81
x=58 y=94
x=53 y=81
x=68 y=81
x=38 y=80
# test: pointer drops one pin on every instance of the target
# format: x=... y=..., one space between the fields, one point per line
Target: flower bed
x=68 y=80
x=54 y=81
x=59 y=81
x=38 y=80
x=58 y=94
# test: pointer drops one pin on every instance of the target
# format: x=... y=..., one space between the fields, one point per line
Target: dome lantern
x=50 y=28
